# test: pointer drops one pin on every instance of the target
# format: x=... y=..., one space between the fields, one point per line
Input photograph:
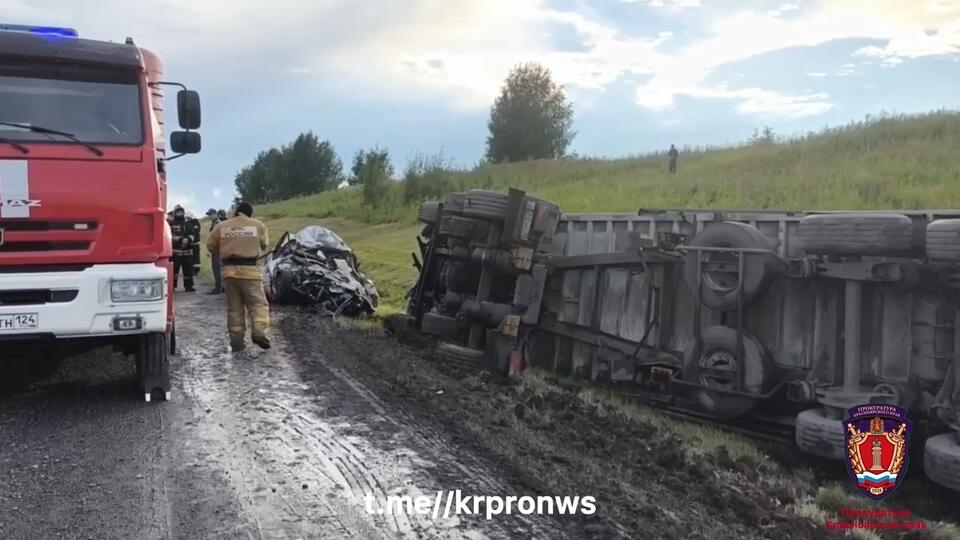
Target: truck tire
x=943 y=240
x=856 y=234
x=153 y=364
x=941 y=460
x=719 y=289
x=461 y=227
x=454 y=202
x=429 y=212
x=821 y=436
x=436 y=324
x=486 y=204
x=459 y=355
x=718 y=350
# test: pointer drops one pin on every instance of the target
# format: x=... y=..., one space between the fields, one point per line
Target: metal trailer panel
x=904 y=335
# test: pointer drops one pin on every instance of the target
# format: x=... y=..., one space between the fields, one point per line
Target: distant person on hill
x=673 y=154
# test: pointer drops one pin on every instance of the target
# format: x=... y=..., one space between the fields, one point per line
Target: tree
x=766 y=136
x=531 y=119
x=372 y=170
x=305 y=166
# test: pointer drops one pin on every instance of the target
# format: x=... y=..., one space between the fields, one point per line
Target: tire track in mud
x=298 y=461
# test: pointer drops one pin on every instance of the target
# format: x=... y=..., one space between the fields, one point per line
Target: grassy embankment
x=893 y=163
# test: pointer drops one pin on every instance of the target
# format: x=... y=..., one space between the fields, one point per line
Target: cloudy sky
x=419 y=75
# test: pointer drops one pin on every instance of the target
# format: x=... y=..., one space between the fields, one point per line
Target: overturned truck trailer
x=789 y=316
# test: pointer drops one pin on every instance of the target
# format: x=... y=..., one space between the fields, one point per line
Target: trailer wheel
x=718 y=352
x=486 y=204
x=429 y=212
x=821 y=436
x=856 y=234
x=462 y=227
x=943 y=240
x=719 y=288
x=436 y=324
x=941 y=460
x=153 y=364
x=459 y=355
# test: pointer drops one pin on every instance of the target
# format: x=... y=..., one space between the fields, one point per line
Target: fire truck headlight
x=136 y=290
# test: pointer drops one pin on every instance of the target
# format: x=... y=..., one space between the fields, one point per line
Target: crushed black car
x=316 y=268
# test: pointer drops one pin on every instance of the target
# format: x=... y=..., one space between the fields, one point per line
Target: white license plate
x=19 y=321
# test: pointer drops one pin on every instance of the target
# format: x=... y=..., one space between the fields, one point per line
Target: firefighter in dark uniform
x=184 y=237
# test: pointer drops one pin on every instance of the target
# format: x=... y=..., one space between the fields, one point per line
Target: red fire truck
x=85 y=249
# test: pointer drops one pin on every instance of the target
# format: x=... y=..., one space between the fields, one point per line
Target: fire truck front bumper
x=100 y=300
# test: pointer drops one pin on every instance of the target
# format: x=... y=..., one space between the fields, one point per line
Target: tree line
x=530 y=119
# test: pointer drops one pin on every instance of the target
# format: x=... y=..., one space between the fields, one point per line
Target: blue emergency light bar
x=53 y=31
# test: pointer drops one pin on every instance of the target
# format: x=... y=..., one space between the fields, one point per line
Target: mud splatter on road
x=554 y=444
x=258 y=444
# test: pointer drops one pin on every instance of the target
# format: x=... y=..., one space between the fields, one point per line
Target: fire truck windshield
x=96 y=106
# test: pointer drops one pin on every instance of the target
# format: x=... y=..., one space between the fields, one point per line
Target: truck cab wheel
x=718 y=368
x=153 y=365
x=173 y=338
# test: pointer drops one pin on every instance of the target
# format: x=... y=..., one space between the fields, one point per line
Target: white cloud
x=662 y=3
x=916 y=43
x=217 y=192
x=457 y=53
x=939 y=7
x=765 y=103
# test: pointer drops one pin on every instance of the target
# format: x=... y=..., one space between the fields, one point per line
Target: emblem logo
x=877 y=439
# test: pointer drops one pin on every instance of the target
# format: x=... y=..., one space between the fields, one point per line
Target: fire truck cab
x=85 y=250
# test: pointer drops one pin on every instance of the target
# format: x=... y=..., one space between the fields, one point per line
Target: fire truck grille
x=21 y=247
x=29 y=297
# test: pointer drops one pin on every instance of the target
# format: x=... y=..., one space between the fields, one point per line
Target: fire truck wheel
x=941 y=460
x=718 y=352
x=821 y=436
x=460 y=355
x=486 y=204
x=454 y=202
x=173 y=338
x=461 y=227
x=856 y=234
x=429 y=212
x=719 y=287
x=943 y=240
x=436 y=324
x=153 y=364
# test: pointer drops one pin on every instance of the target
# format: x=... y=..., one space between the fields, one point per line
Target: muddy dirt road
x=286 y=443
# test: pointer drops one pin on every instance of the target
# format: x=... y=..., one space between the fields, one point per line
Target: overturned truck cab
x=787 y=317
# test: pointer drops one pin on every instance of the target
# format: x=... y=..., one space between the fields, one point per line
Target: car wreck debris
x=316 y=268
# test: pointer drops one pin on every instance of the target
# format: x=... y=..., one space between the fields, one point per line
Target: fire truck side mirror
x=188 y=109
x=185 y=142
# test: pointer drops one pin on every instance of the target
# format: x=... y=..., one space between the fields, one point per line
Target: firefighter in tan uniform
x=239 y=241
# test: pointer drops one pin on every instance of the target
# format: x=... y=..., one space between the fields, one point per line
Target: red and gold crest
x=877 y=445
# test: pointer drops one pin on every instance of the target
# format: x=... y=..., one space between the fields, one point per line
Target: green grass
x=891 y=163
x=895 y=162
